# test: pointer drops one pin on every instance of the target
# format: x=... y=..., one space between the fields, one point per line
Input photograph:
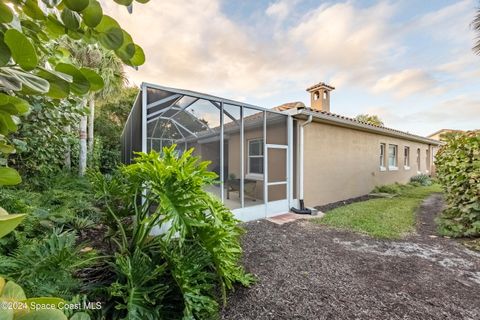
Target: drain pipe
x=302 y=209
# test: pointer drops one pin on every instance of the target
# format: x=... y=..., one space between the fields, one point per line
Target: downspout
x=302 y=209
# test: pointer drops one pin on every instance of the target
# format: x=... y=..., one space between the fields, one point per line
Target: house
x=440 y=134
x=269 y=159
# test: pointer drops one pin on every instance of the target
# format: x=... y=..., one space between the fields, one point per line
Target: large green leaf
x=124 y=2
x=11 y=290
x=44 y=301
x=5 y=54
x=27 y=79
x=139 y=57
x=96 y=82
x=127 y=50
x=6 y=148
x=32 y=10
x=110 y=33
x=54 y=314
x=7 y=125
x=51 y=3
x=76 y=5
x=21 y=106
x=9 y=177
x=54 y=28
x=6 y=14
x=80 y=85
x=92 y=15
x=71 y=19
x=21 y=48
x=59 y=83
x=80 y=316
x=143 y=1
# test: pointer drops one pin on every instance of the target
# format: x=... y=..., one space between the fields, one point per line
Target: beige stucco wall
x=341 y=163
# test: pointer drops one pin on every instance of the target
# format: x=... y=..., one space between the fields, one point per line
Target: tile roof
x=319 y=85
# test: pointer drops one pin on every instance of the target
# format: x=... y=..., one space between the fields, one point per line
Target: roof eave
x=323 y=118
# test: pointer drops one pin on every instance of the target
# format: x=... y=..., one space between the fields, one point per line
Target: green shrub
x=421 y=179
x=458 y=170
x=184 y=271
x=388 y=188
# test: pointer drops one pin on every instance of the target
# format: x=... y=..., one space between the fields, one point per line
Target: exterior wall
x=275 y=134
x=342 y=163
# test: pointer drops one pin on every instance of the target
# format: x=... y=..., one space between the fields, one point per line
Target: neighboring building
x=440 y=134
x=268 y=159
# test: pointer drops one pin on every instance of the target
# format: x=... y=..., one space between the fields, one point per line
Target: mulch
x=310 y=271
x=334 y=205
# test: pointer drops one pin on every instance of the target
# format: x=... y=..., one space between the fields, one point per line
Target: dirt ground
x=310 y=271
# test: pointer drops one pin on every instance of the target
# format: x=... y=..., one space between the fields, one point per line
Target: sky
x=410 y=62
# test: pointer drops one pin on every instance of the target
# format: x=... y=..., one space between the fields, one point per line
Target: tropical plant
x=110 y=119
x=369 y=119
x=458 y=170
x=196 y=252
x=28 y=62
x=14 y=305
x=421 y=179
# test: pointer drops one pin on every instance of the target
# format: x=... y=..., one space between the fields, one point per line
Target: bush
x=458 y=170
x=395 y=188
x=421 y=179
x=182 y=272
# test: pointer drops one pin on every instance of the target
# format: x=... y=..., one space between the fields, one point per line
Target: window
x=406 y=157
x=325 y=94
x=418 y=159
x=392 y=157
x=427 y=160
x=382 y=156
x=316 y=95
x=255 y=156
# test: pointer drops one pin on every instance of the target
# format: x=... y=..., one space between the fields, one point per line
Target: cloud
x=194 y=44
x=280 y=9
x=406 y=82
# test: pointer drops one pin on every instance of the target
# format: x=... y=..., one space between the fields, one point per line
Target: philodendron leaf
x=9 y=176
x=92 y=15
x=21 y=48
x=12 y=291
x=53 y=314
x=9 y=222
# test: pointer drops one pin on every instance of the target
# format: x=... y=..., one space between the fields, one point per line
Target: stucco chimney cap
x=319 y=86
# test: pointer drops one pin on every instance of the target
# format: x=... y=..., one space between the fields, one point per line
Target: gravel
x=310 y=271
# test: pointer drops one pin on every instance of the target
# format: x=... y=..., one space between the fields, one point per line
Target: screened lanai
x=249 y=147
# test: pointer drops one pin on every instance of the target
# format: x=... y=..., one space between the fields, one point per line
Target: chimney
x=320 y=96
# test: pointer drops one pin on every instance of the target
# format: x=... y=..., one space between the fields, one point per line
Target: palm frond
x=476 y=28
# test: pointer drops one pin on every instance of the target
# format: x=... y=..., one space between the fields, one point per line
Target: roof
x=320 y=85
x=336 y=119
x=442 y=131
x=290 y=105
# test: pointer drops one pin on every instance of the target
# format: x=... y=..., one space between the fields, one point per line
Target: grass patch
x=389 y=218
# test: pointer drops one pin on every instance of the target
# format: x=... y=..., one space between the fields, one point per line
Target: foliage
x=389 y=218
x=395 y=188
x=14 y=305
x=458 y=170
x=198 y=248
x=47 y=266
x=370 y=119
x=421 y=179
x=32 y=66
x=110 y=118
x=8 y=222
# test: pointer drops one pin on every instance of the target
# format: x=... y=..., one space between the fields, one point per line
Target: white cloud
x=280 y=9
x=406 y=82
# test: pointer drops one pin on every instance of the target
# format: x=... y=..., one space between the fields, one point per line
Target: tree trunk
x=68 y=156
x=82 y=164
x=91 y=119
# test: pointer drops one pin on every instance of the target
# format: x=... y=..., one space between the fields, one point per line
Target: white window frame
x=383 y=147
x=254 y=175
x=394 y=167
x=406 y=157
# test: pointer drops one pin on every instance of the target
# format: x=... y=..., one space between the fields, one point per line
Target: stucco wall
x=341 y=163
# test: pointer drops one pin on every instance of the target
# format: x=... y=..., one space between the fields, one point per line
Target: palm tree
x=110 y=68
x=370 y=119
x=476 y=28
